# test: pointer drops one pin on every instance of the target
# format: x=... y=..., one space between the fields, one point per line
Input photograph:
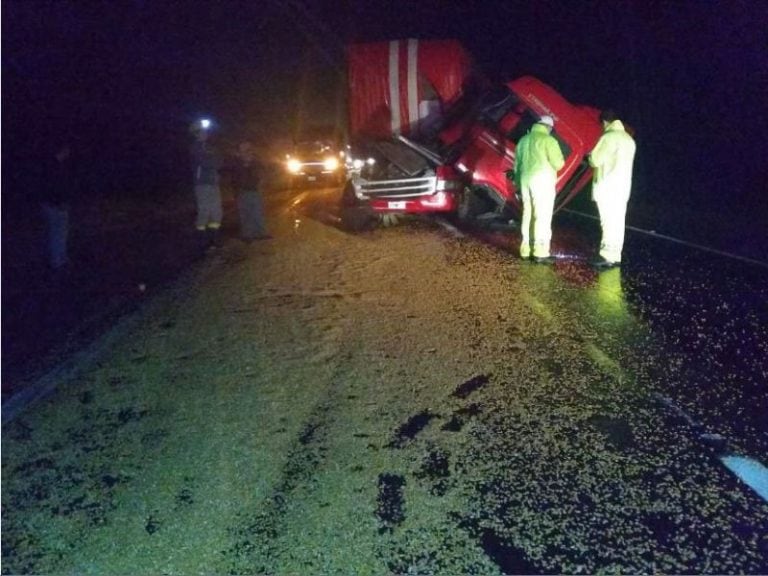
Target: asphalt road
x=410 y=399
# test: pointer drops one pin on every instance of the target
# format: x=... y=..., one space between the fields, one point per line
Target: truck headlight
x=293 y=165
x=331 y=163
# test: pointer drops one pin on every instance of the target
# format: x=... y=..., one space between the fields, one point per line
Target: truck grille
x=404 y=188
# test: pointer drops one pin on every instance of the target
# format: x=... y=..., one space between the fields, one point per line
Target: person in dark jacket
x=206 y=165
x=246 y=181
x=56 y=192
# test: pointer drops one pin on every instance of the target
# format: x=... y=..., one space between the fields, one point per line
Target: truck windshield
x=314 y=148
x=496 y=104
x=523 y=126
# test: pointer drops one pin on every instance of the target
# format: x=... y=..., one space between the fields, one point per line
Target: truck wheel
x=355 y=216
x=348 y=198
x=471 y=206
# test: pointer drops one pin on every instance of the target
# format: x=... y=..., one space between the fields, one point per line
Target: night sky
x=126 y=78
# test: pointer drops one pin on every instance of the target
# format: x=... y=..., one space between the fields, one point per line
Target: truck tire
x=348 y=198
x=473 y=203
x=355 y=215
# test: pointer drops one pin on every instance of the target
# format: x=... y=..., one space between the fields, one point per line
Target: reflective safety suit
x=612 y=161
x=537 y=159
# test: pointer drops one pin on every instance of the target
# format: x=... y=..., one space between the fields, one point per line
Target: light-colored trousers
x=209 y=212
x=536 y=226
x=612 y=207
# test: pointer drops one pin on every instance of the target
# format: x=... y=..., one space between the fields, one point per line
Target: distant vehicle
x=315 y=162
x=430 y=134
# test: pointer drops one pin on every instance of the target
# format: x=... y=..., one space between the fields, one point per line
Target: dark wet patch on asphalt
x=509 y=559
x=390 y=501
x=130 y=414
x=152 y=524
x=460 y=417
x=616 y=430
x=308 y=433
x=185 y=497
x=435 y=468
x=471 y=385
x=110 y=480
x=408 y=431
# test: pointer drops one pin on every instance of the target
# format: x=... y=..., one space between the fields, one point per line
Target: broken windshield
x=523 y=126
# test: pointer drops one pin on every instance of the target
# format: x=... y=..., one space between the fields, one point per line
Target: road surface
x=405 y=400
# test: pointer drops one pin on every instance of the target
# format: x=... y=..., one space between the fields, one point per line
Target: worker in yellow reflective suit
x=538 y=157
x=612 y=161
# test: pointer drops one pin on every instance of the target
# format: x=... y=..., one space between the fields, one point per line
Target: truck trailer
x=430 y=134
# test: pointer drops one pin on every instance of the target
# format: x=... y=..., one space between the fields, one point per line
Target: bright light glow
x=294 y=165
x=461 y=167
x=752 y=473
x=205 y=123
x=437 y=200
x=448 y=184
x=357 y=163
x=331 y=163
x=371 y=161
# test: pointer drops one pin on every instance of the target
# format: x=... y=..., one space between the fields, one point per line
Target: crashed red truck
x=429 y=134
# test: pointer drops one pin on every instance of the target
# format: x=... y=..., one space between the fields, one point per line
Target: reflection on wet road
x=700 y=315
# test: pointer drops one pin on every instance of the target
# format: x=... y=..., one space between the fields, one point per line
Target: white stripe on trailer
x=413 y=82
x=394 y=85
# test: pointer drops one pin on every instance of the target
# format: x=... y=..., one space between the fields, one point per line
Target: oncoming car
x=316 y=161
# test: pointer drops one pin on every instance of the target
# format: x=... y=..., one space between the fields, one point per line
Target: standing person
x=56 y=193
x=612 y=161
x=206 y=164
x=246 y=180
x=537 y=159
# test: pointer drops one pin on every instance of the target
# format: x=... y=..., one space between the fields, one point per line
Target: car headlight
x=293 y=165
x=331 y=163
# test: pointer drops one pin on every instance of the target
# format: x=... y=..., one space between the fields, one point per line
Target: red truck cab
x=431 y=134
x=486 y=151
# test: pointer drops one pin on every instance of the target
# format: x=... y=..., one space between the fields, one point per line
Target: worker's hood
x=616 y=126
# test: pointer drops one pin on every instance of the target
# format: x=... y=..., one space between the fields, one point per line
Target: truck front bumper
x=409 y=195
